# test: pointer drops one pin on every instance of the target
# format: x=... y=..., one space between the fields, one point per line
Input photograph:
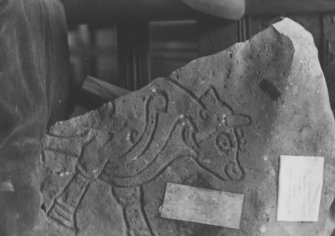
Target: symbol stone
x=208 y=125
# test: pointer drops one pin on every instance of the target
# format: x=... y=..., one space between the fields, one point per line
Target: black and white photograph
x=167 y=118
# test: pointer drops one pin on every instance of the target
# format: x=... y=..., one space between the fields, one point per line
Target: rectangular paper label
x=300 y=186
x=202 y=206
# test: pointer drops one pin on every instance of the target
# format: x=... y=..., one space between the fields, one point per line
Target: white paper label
x=202 y=206
x=300 y=186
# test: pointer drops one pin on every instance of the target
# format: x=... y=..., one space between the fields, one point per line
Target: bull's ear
x=210 y=98
x=237 y=120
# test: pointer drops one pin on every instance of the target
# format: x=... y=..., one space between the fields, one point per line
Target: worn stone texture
x=221 y=122
x=34 y=81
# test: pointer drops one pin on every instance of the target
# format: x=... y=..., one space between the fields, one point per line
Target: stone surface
x=329 y=72
x=34 y=77
x=220 y=123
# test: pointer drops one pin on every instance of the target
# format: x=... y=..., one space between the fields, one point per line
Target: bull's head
x=220 y=137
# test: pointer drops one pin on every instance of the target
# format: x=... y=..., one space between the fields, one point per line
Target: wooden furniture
x=133 y=17
x=104 y=11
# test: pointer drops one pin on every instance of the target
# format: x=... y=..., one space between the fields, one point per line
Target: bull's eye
x=204 y=115
x=132 y=135
x=223 y=142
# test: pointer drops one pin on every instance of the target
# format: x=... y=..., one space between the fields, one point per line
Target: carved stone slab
x=300 y=187
x=221 y=123
x=204 y=206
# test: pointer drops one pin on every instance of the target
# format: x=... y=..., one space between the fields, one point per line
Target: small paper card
x=300 y=186
x=202 y=206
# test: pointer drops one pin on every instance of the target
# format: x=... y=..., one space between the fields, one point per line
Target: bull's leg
x=65 y=205
x=135 y=219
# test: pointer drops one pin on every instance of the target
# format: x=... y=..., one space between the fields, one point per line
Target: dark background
x=128 y=43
